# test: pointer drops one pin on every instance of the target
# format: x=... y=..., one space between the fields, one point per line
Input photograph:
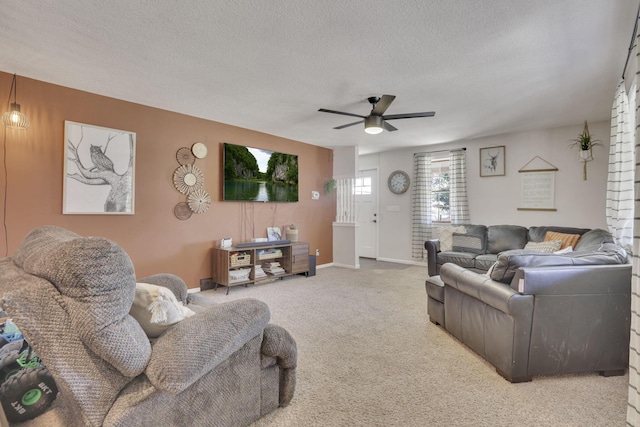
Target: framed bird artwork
x=99 y=170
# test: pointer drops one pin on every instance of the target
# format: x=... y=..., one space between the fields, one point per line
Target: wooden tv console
x=231 y=265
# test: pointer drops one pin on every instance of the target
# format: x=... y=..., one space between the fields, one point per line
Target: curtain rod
x=632 y=44
x=441 y=151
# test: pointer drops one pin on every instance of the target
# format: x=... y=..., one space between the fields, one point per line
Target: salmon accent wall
x=154 y=238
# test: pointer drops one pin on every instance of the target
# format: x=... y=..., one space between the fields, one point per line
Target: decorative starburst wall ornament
x=199 y=201
x=188 y=178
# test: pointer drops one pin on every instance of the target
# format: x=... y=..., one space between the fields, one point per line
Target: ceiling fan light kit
x=373 y=125
x=375 y=122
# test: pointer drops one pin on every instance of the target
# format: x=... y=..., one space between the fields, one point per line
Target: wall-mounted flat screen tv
x=259 y=175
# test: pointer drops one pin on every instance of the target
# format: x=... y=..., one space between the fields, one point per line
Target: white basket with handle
x=239 y=275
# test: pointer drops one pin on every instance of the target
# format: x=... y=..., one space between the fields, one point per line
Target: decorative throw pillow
x=156 y=309
x=567 y=239
x=548 y=247
x=445 y=235
x=465 y=243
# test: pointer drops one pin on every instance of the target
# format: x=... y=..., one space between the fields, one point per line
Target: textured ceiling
x=486 y=67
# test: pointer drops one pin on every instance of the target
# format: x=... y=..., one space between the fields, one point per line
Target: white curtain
x=620 y=197
x=633 y=405
x=422 y=197
x=459 y=204
x=421 y=201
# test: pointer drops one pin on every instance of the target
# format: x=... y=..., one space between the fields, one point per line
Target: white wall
x=494 y=200
x=345 y=162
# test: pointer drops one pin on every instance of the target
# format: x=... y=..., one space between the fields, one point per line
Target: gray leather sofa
x=494 y=239
x=541 y=314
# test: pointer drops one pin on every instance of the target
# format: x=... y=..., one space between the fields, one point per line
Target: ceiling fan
x=375 y=122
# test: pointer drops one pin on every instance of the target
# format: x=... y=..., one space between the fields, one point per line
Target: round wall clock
x=199 y=150
x=398 y=182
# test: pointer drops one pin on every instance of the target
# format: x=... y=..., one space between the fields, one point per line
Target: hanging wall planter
x=585 y=144
x=586 y=155
x=329 y=186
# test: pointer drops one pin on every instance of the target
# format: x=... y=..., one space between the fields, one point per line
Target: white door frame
x=371 y=224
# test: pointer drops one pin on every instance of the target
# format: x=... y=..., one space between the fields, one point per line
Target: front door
x=366 y=196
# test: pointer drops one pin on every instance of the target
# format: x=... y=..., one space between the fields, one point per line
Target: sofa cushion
x=478 y=231
x=505 y=237
x=465 y=243
x=186 y=352
x=548 y=247
x=463 y=259
x=566 y=239
x=509 y=261
x=96 y=278
x=435 y=288
x=445 y=236
x=537 y=234
x=485 y=261
x=593 y=240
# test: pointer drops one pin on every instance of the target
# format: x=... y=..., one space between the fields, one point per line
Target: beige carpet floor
x=368 y=356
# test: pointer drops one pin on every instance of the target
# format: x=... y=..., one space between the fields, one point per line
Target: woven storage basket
x=238 y=260
x=270 y=255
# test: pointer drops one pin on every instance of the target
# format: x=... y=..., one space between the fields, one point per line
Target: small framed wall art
x=99 y=170
x=492 y=161
x=274 y=234
x=537 y=185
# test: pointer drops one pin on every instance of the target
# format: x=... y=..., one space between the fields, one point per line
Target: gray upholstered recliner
x=71 y=296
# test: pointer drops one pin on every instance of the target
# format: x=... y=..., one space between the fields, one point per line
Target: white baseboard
x=356 y=267
x=324 y=265
x=402 y=261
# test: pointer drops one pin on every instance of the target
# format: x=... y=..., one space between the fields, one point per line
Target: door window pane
x=362 y=186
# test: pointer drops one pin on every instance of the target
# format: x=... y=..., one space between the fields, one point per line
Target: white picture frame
x=99 y=170
x=492 y=161
x=274 y=234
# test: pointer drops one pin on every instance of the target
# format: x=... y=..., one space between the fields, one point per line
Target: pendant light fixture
x=14 y=118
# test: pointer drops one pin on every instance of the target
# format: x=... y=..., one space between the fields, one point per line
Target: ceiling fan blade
x=349 y=124
x=409 y=115
x=383 y=104
x=324 y=110
x=388 y=127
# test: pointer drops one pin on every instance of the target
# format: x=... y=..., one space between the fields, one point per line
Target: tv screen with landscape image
x=259 y=175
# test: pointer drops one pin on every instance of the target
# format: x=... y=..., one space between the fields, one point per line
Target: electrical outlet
x=317 y=252
x=206 y=284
